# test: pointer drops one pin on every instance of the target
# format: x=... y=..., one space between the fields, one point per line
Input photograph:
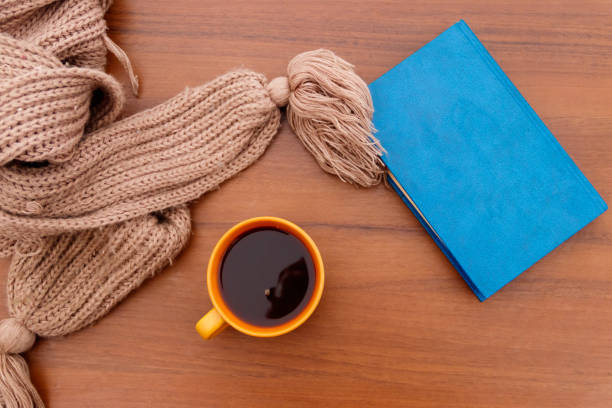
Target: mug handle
x=210 y=325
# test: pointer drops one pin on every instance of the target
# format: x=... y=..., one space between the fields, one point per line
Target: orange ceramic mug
x=220 y=316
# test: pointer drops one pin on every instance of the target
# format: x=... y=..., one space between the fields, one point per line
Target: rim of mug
x=213 y=273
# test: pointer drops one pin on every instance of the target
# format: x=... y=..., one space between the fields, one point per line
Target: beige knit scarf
x=90 y=207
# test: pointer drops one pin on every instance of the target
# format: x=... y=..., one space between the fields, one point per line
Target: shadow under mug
x=220 y=316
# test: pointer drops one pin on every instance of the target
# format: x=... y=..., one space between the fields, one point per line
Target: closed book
x=474 y=162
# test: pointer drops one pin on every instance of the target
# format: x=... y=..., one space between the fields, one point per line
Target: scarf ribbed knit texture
x=90 y=206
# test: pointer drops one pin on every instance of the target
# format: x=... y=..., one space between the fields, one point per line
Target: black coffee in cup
x=267 y=277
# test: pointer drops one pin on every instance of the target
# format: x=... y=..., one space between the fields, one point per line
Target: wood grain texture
x=397 y=325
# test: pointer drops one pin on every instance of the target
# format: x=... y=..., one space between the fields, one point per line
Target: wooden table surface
x=397 y=326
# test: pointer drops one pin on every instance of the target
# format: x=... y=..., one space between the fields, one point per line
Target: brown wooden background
x=397 y=326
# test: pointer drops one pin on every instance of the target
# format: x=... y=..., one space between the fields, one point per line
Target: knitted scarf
x=90 y=206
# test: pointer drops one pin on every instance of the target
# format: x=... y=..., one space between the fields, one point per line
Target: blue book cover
x=475 y=164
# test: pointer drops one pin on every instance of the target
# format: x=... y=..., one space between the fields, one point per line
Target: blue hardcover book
x=475 y=164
